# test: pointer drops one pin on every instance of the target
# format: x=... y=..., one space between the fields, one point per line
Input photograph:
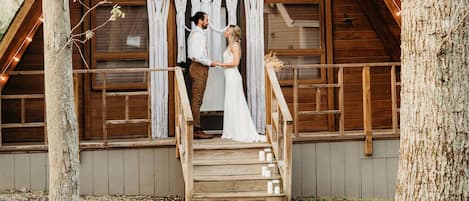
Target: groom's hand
x=214 y=63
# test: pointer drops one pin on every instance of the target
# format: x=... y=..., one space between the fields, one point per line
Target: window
x=295 y=32
x=121 y=44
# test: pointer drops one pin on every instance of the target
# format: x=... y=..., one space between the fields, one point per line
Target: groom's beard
x=204 y=26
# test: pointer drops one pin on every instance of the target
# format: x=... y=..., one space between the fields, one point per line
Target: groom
x=198 y=53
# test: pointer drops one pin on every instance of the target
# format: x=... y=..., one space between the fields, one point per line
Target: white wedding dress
x=237 y=120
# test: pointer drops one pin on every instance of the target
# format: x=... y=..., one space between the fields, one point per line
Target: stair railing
x=279 y=126
x=184 y=130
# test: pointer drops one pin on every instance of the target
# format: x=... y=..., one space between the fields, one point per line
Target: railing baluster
x=23 y=111
x=394 y=99
x=295 y=100
x=341 y=100
x=318 y=99
x=126 y=109
x=367 y=110
x=104 y=110
x=148 y=77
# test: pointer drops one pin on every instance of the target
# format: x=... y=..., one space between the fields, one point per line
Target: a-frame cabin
x=331 y=111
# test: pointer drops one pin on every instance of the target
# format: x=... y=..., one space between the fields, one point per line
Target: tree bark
x=62 y=127
x=434 y=147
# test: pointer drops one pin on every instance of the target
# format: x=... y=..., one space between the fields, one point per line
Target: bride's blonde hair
x=235 y=34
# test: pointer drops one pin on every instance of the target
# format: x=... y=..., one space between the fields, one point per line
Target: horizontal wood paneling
x=336 y=169
x=121 y=171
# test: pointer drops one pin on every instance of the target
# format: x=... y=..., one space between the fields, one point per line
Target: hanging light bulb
x=16 y=59
x=41 y=19
x=398 y=13
x=29 y=39
x=3 y=78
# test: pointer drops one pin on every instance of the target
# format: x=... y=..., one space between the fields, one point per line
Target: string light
x=397 y=7
x=28 y=39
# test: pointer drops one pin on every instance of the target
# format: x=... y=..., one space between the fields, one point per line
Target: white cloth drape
x=231 y=6
x=181 y=35
x=255 y=61
x=158 y=44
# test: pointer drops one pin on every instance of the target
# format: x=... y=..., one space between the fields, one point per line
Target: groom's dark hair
x=198 y=16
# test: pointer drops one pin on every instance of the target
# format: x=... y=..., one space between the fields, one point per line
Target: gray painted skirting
x=335 y=169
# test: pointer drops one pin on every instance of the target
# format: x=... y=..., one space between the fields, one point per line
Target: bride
x=237 y=121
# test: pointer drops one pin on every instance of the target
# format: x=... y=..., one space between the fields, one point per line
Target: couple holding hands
x=237 y=121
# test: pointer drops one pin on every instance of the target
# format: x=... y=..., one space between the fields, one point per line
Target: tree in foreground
x=62 y=130
x=434 y=148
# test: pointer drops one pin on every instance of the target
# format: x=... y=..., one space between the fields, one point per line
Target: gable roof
x=19 y=34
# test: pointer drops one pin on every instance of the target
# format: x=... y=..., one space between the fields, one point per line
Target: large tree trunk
x=434 y=149
x=61 y=120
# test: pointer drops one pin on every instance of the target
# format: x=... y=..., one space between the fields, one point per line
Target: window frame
x=309 y=52
x=115 y=56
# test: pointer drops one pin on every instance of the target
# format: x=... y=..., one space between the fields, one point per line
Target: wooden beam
x=390 y=42
x=330 y=60
x=367 y=125
x=395 y=10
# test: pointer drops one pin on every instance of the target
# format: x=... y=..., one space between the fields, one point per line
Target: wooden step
x=239 y=196
x=228 y=146
x=234 y=178
x=227 y=154
x=227 y=170
x=232 y=183
x=230 y=162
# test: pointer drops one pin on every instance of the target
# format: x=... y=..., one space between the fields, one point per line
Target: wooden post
x=295 y=101
x=75 y=94
x=341 y=101
x=148 y=76
x=23 y=111
x=288 y=160
x=189 y=183
x=177 y=133
x=268 y=103
x=367 y=110
x=394 y=99
x=104 y=109
x=318 y=99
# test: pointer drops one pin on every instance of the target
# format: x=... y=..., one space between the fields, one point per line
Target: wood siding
x=335 y=169
x=358 y=42
x=151 y=171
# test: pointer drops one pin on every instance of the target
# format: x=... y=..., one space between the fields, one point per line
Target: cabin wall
x=355 y=43
x=335 y=169
x=359 y=42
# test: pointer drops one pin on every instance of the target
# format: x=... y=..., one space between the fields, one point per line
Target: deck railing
x=339 y=85
x=279 y=124
x=184 y=129
x=104 y=143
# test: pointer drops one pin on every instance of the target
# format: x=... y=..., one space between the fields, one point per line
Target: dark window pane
x=129 y=34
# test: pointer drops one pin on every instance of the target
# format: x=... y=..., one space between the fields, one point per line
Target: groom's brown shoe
x=199 y=134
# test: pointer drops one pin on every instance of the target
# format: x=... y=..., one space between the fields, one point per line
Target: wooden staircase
x=218 y=169
x=227 y=170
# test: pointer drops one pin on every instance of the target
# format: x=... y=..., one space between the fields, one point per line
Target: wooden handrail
x=184 y=131
x=279 y=127
x=366 y=88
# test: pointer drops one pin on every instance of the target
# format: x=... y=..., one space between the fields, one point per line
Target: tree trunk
x=61 y=120
x=434 y=148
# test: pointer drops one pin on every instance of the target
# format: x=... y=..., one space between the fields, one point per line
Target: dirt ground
x=42 y=196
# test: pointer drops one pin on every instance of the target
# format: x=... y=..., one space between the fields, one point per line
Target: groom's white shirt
x=197 y=46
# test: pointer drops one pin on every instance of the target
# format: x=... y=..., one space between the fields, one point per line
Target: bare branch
x=88 y=12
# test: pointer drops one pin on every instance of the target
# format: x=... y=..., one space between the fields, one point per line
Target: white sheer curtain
x=255 y=61
x=231 y=6
x=181 y=34
x=157 y=22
